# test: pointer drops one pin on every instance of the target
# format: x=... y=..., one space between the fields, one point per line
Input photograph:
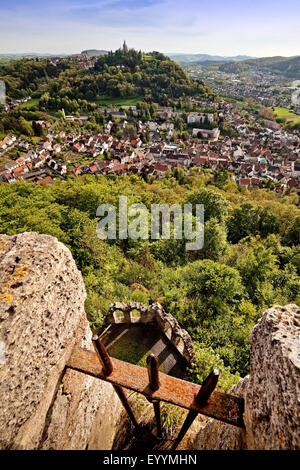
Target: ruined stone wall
x=44 y=406
x=271 y=391
x=136 y=312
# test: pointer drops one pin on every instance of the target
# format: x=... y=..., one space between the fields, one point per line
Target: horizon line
x=52 y=54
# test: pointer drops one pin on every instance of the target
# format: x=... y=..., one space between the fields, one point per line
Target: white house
x=207 y=134
x=197 y=118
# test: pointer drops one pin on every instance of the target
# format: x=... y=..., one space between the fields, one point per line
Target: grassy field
x=30 y=104
x=285 y=113
x=77 y=159
x=118 y=101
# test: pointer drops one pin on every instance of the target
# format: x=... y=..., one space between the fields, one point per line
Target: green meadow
x=30 y=104
x=285 y=113
x=105 y=101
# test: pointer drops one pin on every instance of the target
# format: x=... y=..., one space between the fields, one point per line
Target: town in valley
x=246 y=130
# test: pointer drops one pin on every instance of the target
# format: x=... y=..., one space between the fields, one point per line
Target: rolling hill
x=94 y=52
x=184 y=59
x=287 y=66
x=116 y=75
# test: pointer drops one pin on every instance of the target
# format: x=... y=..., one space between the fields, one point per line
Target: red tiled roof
x=161 y=167
x=200 y=160
x=245 y=181
x=46 y=180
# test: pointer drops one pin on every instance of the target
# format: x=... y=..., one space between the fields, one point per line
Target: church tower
x=125 y=47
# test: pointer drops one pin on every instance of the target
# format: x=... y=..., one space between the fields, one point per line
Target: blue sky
x=228 y=27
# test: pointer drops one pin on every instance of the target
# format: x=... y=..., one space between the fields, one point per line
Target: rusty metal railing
x=157 y=386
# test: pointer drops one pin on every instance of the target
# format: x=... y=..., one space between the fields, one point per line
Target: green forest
x=250 y=259
x=152 y=76
x=127 y=77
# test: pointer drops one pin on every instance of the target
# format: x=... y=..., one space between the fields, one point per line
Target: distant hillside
x=288 y=66
x=183 y=59
x=153 y=76
x=26 y=55
x=94 y=52
x=24 y=76
x=121 y=74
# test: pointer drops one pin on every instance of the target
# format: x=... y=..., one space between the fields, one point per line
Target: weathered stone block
x=271 y=392
x=41 y=318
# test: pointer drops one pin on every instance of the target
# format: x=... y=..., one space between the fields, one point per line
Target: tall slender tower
x=125 y=47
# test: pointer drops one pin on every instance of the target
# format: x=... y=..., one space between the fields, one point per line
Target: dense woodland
x=250 y=259
x=25 y=77
x=153 y=77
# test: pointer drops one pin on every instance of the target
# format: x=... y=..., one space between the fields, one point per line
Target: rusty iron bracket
x=153 y=374
x=221 y=406
x=107 y=368
x=203 y=396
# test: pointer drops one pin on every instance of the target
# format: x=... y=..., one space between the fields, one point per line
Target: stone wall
x=271 y=392
x=136 y=312
x=41 y=318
